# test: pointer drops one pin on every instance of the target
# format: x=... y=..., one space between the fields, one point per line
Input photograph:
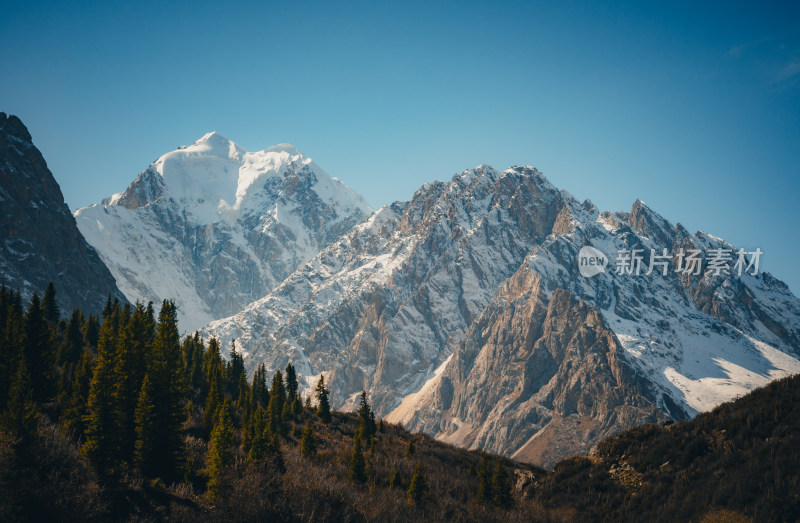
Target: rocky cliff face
x=540 y=376
x=464 y=314
x=215 y=227
x=557 y=361
x=39 y=241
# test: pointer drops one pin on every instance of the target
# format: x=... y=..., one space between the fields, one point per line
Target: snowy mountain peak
x=216 y=227
x=214 y=144
x=215 y=179
x=287 y=148
x=213 y=137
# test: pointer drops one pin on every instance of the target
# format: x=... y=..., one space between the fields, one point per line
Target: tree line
x=135 y=397
x=130 y=391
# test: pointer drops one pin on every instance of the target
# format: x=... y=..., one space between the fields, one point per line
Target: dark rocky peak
x=39 y=240
x=12 y=127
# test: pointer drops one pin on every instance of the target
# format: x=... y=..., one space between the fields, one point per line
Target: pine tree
x=91 y=331
x=323 y=401
x=10 y=342
x=172 y=389
x=10 y=322
x=291 y=383
x=235 y=372
x=37 y=353
x=50 y=309
x=357 y=462
x=20 y=416
x=146 y=431
x=188 y=353
x=71 y=347
x=308 y=442
x=220 y=453
x=166 y=374
x=109 y=307
x=213 y=401
x=244 y=401
x=258 y=436
x=260 y=391
x=100 y=442
x=194 y=364
x=212 y=362
x=128 y=375
x=297 y=406
x=366 y=418
x=277 y=399
x=410 y=448
x=212 y=386
x=501 y=486
x=286 y=412
x=75 y=412
x=418 y=488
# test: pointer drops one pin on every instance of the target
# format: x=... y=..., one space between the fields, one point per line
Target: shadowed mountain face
x=463 y=313
x=39 y=240
x=739 y=462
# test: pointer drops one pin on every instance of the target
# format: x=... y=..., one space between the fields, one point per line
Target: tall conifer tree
x=220 y=453
x=323 y=401
x=100 y=443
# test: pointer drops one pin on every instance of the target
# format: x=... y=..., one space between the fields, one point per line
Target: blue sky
x=692 y=107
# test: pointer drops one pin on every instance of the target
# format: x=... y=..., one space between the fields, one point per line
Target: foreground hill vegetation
x=117 y=418
x=739 y=462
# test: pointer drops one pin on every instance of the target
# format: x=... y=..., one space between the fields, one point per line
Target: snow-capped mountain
x=385 y=304
x=215 y=227
x=39 y=242
x=464 y=314
x=529 y=383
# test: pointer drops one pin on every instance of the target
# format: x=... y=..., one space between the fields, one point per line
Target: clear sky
x=693 y=107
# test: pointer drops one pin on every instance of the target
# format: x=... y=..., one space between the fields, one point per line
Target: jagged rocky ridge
x=463 y=314
x=215 y=227
x=39 y=241
x=388 y=302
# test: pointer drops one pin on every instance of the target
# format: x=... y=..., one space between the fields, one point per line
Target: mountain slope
x=739 y=462
x=39 y=241
x=685 y=342
x=447 y=309
x=215 y=227
x=538 y=376
x=385 y=305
